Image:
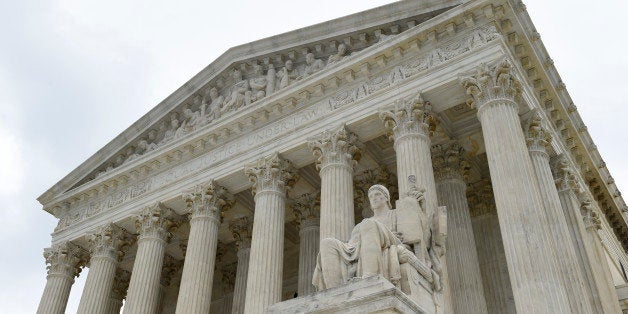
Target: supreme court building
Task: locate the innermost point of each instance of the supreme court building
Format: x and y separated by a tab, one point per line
220	198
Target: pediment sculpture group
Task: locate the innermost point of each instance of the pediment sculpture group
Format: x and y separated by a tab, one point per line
380	245
212	106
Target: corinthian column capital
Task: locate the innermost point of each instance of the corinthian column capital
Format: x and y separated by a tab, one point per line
564	175
109	241
307	207
537	137
335	147
589	215
449	161
409	116
156	221
65	260
208	200
492	83
271	174
242	230
120	284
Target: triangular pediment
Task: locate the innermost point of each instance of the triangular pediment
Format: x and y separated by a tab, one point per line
244	75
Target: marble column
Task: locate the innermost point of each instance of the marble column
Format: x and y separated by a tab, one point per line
490	249
271	177
465	279
169	284
242	230
64	264
336	157
533	273
568	189
205	204
118	291
606	287
106	251
154	226
228	277
538	140
306	209
409	126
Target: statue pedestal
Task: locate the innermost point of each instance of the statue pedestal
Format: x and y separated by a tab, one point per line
368	295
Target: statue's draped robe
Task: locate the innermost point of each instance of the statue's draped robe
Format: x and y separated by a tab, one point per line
371	250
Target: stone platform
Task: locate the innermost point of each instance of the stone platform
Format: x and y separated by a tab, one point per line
368	295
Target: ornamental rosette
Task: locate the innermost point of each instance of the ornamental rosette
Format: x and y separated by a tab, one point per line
449	161
65	260
336	146
537	137
409	116
109	241
564	175
496	82
208	200
242	231
156	221
272	173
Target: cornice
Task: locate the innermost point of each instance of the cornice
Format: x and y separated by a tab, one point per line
254	52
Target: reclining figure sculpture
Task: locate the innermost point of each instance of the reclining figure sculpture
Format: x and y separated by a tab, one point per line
404	245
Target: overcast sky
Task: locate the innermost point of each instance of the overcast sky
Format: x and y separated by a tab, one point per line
74	74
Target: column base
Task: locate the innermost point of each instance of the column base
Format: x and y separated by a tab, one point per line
367	295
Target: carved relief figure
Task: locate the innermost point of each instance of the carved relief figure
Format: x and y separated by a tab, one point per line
169	134
379	245
258	84
312	65
240	94
341	54
215	107
287	74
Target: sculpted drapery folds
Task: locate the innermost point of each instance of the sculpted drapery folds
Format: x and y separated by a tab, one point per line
379	245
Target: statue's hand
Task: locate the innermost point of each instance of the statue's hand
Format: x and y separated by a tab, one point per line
399	235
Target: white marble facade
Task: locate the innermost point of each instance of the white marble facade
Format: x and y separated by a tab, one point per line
220	199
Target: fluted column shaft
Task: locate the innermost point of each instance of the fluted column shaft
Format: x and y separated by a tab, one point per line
565	253
64	266
97	290
105	245
309	247
270	177
337	155
493	266
56	294
462	261
533	274
198	269
239	290
144	287
114	306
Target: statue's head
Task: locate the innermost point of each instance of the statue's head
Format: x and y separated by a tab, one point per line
379	196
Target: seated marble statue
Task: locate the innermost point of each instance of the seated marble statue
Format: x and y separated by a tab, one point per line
378	247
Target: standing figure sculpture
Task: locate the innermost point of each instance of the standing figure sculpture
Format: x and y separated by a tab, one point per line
383	243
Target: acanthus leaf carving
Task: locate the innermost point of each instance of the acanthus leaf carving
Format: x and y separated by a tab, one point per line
271	174
537	137
157	222
449	161
335	147
109	241
208	200
409	117
564	175
65	259
492	82
242	230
